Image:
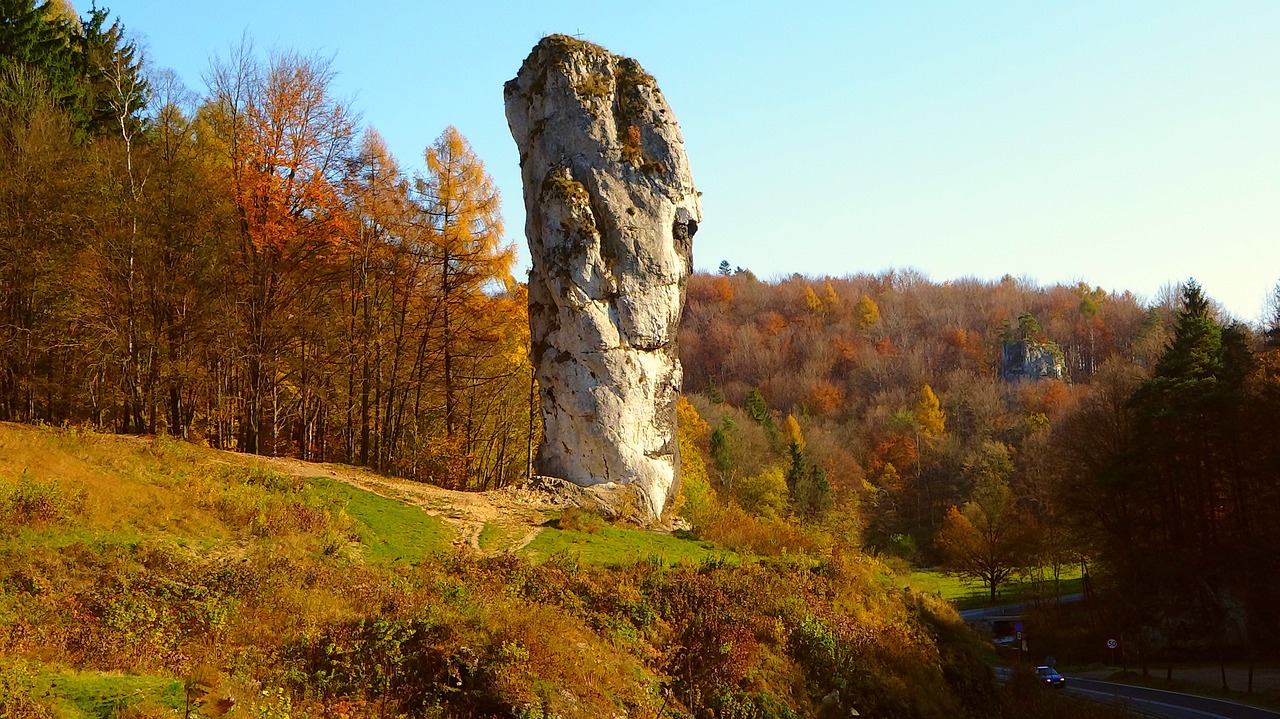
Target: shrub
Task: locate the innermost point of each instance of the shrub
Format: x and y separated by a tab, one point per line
575	519
594	84
18	695
733	528
764	494
272	481
713	646
166	447
30	503
631	146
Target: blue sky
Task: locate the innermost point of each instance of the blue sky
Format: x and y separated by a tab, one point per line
1124	144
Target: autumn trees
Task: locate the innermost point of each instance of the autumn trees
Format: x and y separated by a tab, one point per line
421	277
284	139
246	268
63	83
893	380
1153	466
988	539
255	270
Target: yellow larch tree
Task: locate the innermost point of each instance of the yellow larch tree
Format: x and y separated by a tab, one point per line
868	313
460	208
813	303
928	413
793	432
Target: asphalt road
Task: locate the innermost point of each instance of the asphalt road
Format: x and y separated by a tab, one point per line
1144	701
1160	703
1000	610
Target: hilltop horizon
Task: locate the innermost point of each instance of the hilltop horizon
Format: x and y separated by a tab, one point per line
1131	147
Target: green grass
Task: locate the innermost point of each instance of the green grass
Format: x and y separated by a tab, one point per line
99	694
947	586
617	546
967	594
390	529
496	536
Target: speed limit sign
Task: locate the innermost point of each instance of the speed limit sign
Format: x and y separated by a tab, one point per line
1112	644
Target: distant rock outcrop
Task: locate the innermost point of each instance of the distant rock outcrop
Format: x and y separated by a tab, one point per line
611	213
1031	360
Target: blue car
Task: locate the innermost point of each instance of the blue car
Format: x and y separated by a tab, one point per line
1050	676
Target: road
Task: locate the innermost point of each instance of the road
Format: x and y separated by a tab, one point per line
1000	610
1160	703
1144	701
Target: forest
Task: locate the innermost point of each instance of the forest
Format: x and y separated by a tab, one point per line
875	405
249	269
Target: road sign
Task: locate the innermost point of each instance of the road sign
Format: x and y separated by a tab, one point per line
1112	644
1017	627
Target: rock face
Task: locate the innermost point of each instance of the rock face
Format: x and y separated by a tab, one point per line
611	213
1031	361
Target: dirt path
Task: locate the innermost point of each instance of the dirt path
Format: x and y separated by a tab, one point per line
517	513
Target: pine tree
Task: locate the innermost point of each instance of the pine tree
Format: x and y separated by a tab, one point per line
115	93
1028	327
758	410
815	492
795	470
35	37
722	447
1190	492
87	67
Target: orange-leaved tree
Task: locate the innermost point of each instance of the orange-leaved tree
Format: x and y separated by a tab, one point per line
987	539
284	138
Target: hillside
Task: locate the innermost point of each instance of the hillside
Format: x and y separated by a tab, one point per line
140	576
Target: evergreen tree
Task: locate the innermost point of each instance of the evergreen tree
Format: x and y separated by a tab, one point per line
795	471
35	37
758	410
88	69
813	493
721	447
713	392
1028	327
1189	491
114	91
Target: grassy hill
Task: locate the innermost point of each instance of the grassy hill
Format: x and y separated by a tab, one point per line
148	577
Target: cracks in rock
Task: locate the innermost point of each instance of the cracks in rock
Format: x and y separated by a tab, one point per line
605	172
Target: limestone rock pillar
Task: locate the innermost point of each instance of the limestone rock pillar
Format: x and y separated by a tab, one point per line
611	212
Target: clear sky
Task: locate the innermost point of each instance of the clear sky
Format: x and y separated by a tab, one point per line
1125	144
